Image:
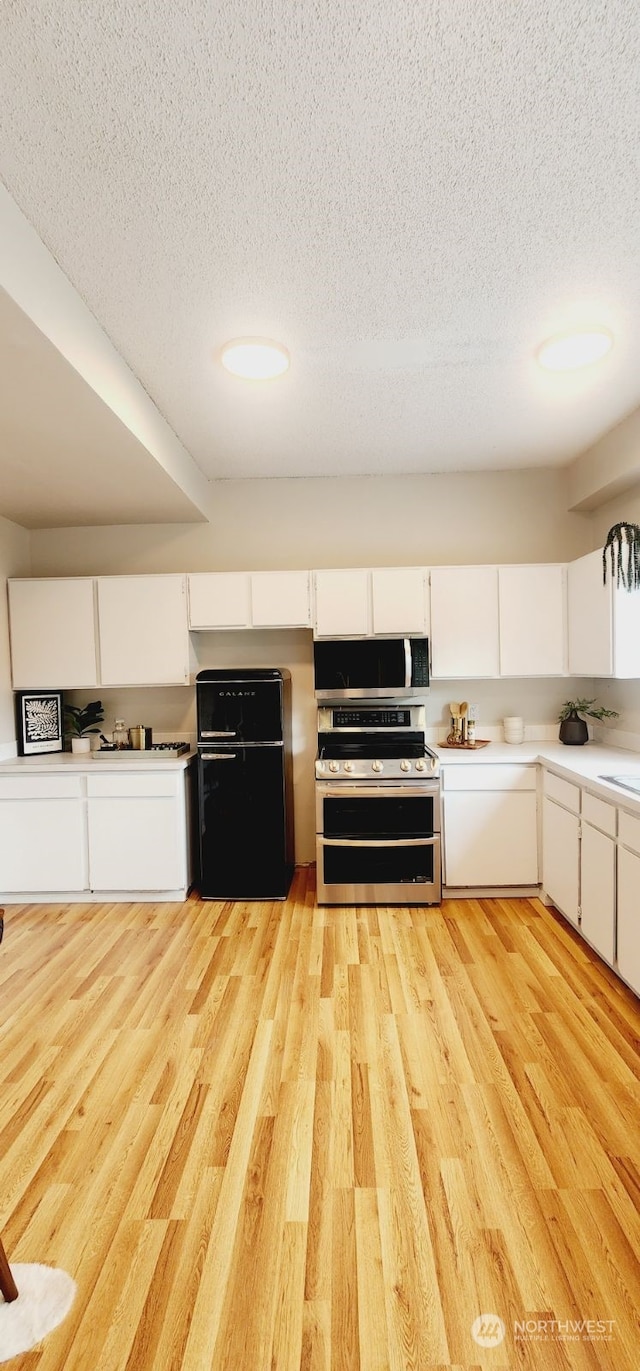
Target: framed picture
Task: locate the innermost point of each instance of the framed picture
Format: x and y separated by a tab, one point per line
39	720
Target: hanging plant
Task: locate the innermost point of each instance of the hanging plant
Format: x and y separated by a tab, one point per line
623	545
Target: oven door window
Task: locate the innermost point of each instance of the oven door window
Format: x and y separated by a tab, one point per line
382	817
392	864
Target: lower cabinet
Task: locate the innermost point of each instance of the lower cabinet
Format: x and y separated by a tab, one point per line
629	899
598	875
94	832
561	844
598	891
136	827
42	840
490	825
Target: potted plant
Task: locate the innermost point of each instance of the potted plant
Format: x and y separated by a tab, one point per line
573	728
82	721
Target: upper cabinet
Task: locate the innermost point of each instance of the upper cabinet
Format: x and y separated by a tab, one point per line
243	599
400	600
360	603
342	608
53	633
143	630
464	622
219	599
281	599
604	622
532	620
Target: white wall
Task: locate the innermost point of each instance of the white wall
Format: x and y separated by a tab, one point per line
517	516
15	560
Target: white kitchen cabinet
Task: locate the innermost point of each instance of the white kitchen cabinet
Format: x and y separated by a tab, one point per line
342	604
137	831
598	889
399	601
561	844
42	840
219	599
628	920
143	630
53	637
384	602
532	618
490	825
603	622
464	622
280	599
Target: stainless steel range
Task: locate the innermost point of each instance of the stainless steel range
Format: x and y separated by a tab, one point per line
377	806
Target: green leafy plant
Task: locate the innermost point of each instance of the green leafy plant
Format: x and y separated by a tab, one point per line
83	719
587	707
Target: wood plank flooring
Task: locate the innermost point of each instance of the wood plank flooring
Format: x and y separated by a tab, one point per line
274	1137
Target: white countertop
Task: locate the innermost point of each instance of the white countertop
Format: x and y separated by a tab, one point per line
49	762
584	765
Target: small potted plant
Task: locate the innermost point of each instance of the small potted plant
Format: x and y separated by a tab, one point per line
81	722
573	728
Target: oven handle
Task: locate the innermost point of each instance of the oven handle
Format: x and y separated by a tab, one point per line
219	756
345	790
380	842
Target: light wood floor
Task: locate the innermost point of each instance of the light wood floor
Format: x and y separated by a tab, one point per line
267	1137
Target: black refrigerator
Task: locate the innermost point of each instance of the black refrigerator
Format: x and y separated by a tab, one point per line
245	793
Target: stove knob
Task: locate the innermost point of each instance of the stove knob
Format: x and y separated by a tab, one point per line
334	766
348	766
421	765
376	766
405	766
434	764
320	768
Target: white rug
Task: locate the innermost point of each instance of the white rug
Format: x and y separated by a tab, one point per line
45	1296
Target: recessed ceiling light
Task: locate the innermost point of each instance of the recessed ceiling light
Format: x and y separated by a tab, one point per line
568	351
256	359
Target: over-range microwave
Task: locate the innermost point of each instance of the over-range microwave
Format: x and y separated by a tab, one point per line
370	668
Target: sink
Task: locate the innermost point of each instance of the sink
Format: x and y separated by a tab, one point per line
625	782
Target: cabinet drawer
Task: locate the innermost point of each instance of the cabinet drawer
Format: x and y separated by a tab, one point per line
629	830
513	776
563	791
40	787
132	786
599	813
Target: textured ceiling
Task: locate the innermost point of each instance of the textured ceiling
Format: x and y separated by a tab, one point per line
410	195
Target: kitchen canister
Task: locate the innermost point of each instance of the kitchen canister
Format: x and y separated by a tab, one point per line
513	729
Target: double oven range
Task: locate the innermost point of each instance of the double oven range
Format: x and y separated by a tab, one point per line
378	828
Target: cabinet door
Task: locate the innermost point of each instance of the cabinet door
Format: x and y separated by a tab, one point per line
464	622
53	637
561	857
590	618
280	599
399	600
532	620
143	630
42	839
490	838
342	604
598	890
629	917
219	599
137	841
